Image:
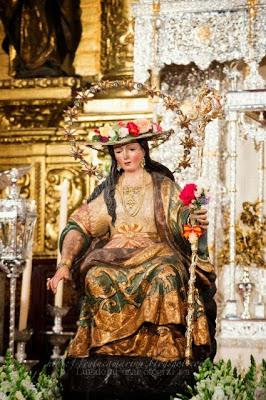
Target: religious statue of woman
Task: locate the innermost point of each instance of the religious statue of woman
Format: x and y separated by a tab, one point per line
128	245
41	36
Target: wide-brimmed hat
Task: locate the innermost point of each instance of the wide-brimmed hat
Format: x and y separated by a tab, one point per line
123	132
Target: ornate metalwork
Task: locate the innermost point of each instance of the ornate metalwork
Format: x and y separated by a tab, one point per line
245	287
196	31
17	219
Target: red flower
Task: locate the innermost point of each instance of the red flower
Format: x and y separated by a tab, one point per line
188	193
133	129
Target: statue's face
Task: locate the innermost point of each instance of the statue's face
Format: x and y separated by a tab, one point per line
129	156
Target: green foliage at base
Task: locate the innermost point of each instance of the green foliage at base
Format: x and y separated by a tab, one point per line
222	381
16	383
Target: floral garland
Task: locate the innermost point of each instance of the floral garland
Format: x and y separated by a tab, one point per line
123	130
206	107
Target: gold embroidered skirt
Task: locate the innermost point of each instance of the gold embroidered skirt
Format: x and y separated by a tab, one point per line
135	304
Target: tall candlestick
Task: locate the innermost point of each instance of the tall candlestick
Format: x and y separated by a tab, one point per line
25	294
62	223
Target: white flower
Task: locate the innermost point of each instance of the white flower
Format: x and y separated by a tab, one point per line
123	132
19	396
6	386
219	394
3	396
199	191
14	375
27	384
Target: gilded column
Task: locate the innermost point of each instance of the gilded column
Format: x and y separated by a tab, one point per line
117	42
87	58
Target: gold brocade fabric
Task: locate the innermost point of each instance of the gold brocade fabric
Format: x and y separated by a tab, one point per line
135	299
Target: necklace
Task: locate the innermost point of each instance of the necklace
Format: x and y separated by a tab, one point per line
132	197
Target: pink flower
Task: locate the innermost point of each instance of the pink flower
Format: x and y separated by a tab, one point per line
188	193
123	132
156	127
144	125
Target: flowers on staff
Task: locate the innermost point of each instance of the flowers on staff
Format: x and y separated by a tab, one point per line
189	230
122	130
194	195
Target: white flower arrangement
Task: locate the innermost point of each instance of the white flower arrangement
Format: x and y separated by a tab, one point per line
223	382
16	383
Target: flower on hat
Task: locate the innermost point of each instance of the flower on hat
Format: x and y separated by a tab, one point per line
107	131
123	132
156	128
133	129
144	125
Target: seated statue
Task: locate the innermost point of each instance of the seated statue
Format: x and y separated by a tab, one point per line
134	260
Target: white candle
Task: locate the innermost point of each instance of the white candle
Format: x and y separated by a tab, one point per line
25	295
58	301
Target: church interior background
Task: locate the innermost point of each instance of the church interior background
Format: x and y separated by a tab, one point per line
176	46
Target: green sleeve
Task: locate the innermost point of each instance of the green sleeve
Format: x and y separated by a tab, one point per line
71	225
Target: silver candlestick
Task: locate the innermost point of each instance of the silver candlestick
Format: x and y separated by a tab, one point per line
245	287
57	336
12	268
22	338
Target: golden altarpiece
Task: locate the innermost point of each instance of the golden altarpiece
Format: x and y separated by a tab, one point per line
31	127
177	45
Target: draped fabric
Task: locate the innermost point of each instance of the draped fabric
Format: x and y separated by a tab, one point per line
135	299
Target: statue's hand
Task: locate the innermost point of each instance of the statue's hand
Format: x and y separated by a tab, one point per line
199	217
61	273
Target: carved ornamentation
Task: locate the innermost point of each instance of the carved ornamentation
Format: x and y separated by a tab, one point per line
251	330
250	242
34	103
39	83
196	31
37	114
77	193
117	39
